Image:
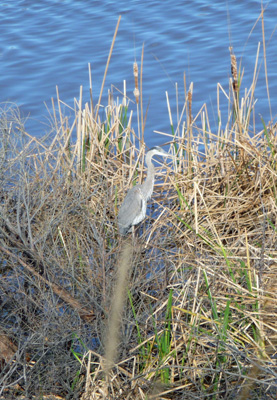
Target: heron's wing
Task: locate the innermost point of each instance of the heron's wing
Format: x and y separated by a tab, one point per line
130	209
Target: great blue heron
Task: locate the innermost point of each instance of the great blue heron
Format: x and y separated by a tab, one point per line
133	208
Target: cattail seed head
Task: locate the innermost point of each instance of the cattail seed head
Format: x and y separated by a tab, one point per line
135	70
136	94
136	91
234	70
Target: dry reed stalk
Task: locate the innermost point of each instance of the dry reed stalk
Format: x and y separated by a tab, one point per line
169	110
90	91
253	86
60	111
180	117
185	103
143	118
106	69
80	131
190	103
54	114
177	108
136	94
265	61
112	339
124	100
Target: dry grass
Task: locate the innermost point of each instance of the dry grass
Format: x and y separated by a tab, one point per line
196	317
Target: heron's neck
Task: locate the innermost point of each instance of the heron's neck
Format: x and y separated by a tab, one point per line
148	184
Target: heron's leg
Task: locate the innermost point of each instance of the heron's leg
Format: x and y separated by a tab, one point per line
133	232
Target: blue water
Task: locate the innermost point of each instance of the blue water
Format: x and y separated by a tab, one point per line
49	43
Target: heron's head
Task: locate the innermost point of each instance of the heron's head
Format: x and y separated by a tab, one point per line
157	151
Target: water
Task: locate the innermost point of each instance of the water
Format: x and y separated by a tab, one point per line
49	43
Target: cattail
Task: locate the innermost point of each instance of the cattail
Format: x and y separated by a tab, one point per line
136	91
234	69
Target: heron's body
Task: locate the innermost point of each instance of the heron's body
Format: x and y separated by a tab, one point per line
133	208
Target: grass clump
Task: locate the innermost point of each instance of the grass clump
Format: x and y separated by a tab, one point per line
197	313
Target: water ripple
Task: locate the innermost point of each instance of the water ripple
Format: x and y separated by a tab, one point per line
50	43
